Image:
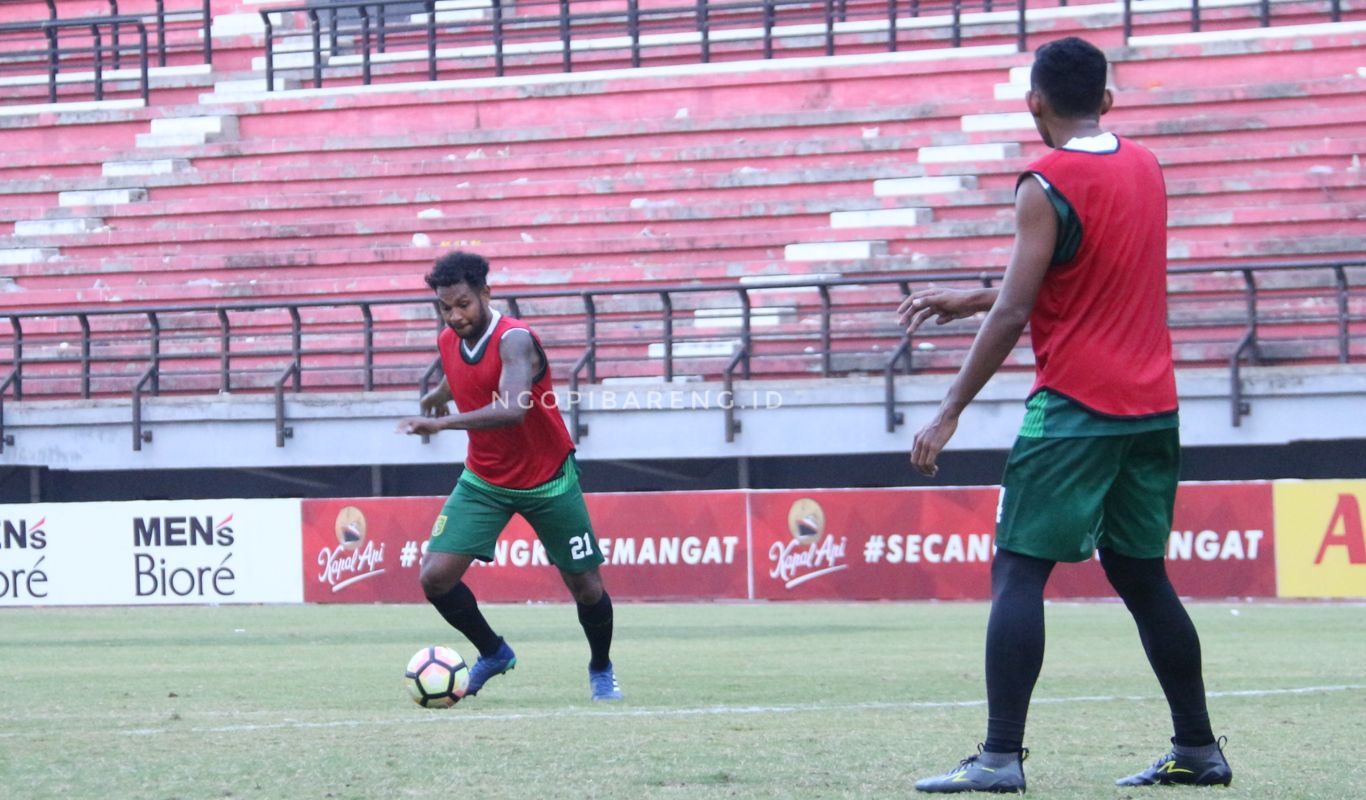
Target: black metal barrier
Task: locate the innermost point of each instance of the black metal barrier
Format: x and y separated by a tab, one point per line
1261	12
1220	315
545	36
44	46
744	28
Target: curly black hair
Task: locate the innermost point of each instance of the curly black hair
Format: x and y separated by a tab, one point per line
1071	75
459	267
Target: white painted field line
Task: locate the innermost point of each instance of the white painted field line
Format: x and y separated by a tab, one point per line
711	711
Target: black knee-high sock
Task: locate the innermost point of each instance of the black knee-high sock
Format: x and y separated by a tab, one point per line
1169	638
461	610
596	620
1015	644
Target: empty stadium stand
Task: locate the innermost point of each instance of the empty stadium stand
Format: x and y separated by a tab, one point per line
253	217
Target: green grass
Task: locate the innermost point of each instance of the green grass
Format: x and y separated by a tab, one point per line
733	701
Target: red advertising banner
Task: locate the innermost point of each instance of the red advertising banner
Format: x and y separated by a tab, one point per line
365	550
659	546
856	544
874	544
916	544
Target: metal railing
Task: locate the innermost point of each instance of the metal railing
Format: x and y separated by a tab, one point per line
1261	12
96	53
548	35
1281	312
545	36
37	47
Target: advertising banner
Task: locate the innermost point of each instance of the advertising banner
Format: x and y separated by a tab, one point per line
1321	539
365	550
874	544
658	546
1301	539
916	544
158	552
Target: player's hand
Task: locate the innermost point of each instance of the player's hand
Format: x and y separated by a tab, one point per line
929	442
945	305
420	426
435	404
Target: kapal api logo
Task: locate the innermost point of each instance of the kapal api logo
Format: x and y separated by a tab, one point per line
354	558
811	553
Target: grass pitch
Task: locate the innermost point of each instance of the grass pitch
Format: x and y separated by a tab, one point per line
723	701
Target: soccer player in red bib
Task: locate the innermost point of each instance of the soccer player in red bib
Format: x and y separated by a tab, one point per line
520	461
1097	459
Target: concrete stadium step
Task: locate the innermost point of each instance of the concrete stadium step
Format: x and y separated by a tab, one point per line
950	113
513	156
656	95
1276	158
101	197
396	272
556	203
1333	54
456	178
145	168
1267	157
13	256
550	266
195	239
43	228
1349	244
1291	118
547	219
1146	98
179	132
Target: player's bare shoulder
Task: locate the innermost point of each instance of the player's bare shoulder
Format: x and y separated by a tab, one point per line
518	346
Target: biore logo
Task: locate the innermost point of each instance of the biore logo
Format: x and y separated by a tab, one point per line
20	535
811	553
181	532
154	578
26	584
162	577
354	558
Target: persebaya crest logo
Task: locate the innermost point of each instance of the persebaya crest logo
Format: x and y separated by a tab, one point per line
811	552
354	558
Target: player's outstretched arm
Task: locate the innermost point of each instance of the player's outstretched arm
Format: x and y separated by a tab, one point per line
521	364
1035	236
945	305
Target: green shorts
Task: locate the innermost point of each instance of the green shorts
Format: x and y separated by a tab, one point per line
476	513
1061	498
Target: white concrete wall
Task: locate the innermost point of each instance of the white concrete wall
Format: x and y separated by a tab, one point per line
811	417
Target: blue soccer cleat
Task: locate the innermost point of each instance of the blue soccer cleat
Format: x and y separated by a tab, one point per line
488	666
603	684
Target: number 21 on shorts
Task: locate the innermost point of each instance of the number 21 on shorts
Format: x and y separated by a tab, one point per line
581	546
